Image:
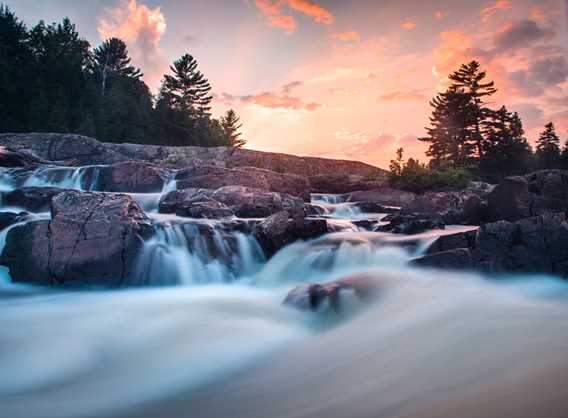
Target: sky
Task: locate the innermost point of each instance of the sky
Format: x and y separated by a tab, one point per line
338	78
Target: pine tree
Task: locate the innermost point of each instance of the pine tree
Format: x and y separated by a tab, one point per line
111	59
448	134
469	79
397	164
188	87
231	125
564	156
548	148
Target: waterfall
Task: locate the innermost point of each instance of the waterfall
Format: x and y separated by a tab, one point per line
84	178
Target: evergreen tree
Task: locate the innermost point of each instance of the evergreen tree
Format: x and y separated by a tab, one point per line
449	134
111	59
564	156
231	125
397	165
469	79
548	148
506	150
16	72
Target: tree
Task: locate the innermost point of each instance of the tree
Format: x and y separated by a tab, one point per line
231	125
506	150
16	72
564	156
397	164
548	148
111	59
188	88
469	80
449	135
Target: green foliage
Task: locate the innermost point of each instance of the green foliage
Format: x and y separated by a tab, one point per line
52	81
416	177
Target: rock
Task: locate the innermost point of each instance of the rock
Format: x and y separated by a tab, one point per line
132	177
9	158
313	297
455	241
383	196
209	209
451	207
91	239
277	231
313	228
480	188
10	218
312	209
252	177
510	200
374	207
33	199
456	259
410	224
344	183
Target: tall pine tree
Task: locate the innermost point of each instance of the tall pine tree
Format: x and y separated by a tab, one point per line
231	124
548	148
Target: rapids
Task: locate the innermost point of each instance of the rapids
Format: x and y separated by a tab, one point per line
209	337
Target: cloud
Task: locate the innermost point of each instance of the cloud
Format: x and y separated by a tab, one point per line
274	12
403	95
408	25
540	75
490	10
520	34
441	14
272	101
531	114
349	36
287	88
142	29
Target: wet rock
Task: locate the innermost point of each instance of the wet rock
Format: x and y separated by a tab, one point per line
91	239
277	231
209	209
33	199
312	209
10	218
410	224
22	158
252	177
455	259
132	177
466	239
374	207
314	228
451	207
344	183
510	200
383	196
314	297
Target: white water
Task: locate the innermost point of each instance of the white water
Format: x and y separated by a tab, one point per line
211	338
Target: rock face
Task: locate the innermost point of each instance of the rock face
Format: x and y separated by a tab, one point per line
84	151
33	199
252	177
313	297
132	177
11	159
10	218
283	228
456	259
531	195
383	196
451	207
92	239
410	224
244	202
342	183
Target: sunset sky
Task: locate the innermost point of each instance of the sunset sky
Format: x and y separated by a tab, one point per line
338	78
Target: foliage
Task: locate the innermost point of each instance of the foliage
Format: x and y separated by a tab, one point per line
52	81
548	148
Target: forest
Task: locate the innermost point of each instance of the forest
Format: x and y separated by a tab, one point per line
52	80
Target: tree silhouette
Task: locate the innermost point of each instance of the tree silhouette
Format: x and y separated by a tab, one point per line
231	124
548	148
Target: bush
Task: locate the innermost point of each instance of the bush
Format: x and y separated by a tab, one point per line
419	178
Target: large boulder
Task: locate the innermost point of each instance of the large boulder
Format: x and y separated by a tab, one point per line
132	177
33	199
383	196
456	259
207	208
11	218
315	297
344	183
91	239
11	159
409	224
283	228
464	207
531	195
252	177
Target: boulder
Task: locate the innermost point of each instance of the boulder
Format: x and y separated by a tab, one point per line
314	297
22	158
313	209
10	218
91	239
209	209
344	183
465	239
463	207
383	196
252	177
132	177
510	200
281	229
456	259
409	224
33	199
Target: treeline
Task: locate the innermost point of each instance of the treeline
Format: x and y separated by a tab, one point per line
51	80
468	140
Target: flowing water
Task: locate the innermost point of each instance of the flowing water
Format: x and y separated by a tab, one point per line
209	337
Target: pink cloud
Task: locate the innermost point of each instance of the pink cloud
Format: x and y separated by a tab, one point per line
408	25
142	29
349	36
403	95
274	12
272	100
312	9
500	5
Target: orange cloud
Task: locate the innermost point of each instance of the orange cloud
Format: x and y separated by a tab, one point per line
403	95
538	15
272	101
350	36
408	25
142	29
499	5
273	11
441	14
